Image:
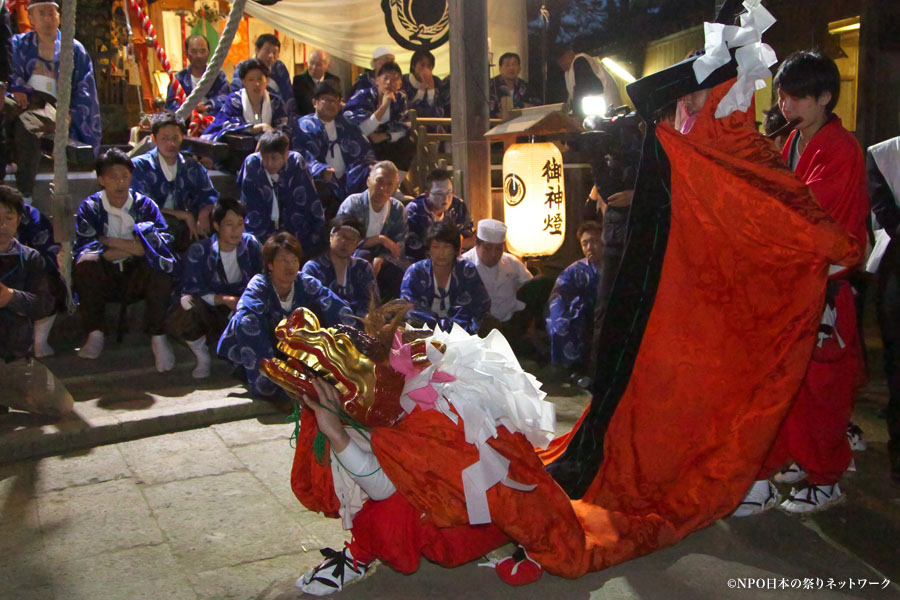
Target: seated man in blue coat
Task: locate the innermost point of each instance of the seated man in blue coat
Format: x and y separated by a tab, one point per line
571	306
36	232
338	154
268	298
268	48
351	278
382	114
196	48
24	286
445	289
251	110
177	183
436	205
216	271
384	220
122	254
279	193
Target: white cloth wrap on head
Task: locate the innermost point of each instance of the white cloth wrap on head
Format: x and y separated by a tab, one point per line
490	390
753	57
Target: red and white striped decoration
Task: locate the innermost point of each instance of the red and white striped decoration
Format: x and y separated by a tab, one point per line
150	34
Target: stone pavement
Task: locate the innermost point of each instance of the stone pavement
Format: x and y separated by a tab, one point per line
209	514
202	508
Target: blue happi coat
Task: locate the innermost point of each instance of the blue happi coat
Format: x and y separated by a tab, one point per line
571	311
84	108
359	284
300	210
191	189
365	80
421	220
216	95
419	101
467	299
205	274
22	270
364	103
36	231
312	141
91	222
521	94
231	117
395	226
279	82
249	336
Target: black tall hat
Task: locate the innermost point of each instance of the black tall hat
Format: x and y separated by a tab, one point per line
653	92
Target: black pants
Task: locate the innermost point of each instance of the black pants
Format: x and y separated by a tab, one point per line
202	320
888	306
390	277
401	152
98	282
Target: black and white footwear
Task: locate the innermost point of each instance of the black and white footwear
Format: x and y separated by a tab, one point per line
854	436
337	570
761	497
791	474
812	498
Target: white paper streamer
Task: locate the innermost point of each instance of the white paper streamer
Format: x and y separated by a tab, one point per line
753	57
490	390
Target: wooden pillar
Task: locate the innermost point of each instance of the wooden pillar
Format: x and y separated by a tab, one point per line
469	109
878	112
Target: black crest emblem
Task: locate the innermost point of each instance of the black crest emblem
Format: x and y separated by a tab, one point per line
267	2
416	24
513	189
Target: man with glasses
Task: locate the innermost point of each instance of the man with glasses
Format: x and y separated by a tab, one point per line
437	205
338	154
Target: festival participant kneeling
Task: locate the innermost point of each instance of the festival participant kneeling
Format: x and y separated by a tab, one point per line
571	306
351	278
25	293
251	110
384	219
216	272
269	298
437	205
338	154
178	184
279	193
445	289
122	254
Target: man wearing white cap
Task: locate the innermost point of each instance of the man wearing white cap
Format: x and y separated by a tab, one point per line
502	274
380	56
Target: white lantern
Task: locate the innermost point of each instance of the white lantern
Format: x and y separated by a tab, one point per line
534	199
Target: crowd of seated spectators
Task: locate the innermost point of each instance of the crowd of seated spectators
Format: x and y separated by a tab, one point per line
319	222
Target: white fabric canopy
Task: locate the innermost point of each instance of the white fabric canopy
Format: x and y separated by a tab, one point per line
352	29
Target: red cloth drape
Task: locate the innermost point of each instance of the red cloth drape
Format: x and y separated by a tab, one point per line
724	352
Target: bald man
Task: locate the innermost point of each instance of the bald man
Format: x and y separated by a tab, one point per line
305	83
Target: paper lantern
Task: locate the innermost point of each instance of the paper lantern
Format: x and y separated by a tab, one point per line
534	199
